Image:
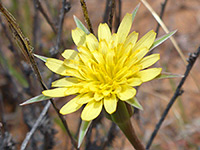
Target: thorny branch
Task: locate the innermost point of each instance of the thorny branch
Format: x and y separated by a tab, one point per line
192	58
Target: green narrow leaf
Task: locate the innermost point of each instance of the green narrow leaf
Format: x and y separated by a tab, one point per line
35	99
134	102
83	130
44	59
135	11
160	40
80	25
167	75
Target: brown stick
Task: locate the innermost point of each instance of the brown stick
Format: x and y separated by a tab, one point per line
86	16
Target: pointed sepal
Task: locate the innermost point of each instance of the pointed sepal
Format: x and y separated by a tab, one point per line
44	59
83	130
135	12
80	25
161	39
35	99
134	102
167	75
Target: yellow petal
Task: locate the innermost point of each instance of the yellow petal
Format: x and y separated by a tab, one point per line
70	107
85	98
58	92
114	41
103	47
56	66
149	60
127	92
92	42
75	73
83	49
70	54
78	36
99	57
121	73
72	90
85	55
107	91
136	56
132	38
65	82
98	96
124	28
72	64
134	81
139	54
85	59
123	56
104	32
146	41
110	64
110	103
149	74
91	110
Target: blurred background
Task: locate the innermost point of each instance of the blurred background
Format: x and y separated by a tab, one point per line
41	22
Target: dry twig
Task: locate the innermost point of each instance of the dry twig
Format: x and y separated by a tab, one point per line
192	58
86	16
26	49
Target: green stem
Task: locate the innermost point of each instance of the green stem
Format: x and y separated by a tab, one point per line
129	132
122	118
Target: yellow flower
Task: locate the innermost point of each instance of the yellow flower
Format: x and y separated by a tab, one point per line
104	70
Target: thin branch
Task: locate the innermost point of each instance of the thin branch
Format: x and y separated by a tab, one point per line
26	49
65	8
12	47
110	136
163	6
110	20
74	143
35	23
107	9
41	9
86	16
3	122
192	58
157	18
118	16
35	126
109	12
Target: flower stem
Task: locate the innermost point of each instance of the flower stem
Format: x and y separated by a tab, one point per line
122	118
129	132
